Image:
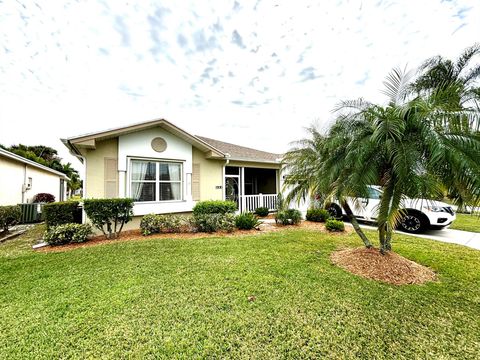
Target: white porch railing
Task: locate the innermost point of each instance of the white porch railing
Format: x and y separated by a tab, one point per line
250	202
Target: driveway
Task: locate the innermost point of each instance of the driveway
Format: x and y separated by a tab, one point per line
460	237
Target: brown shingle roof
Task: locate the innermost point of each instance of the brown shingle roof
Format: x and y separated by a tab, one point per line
238	152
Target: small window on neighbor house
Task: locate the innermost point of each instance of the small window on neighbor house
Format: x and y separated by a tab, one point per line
30	182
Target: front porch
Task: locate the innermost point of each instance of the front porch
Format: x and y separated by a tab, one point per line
251	187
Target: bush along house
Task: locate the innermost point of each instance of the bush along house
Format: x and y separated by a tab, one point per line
167	170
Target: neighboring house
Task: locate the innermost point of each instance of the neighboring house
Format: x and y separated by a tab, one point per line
21	179
167	170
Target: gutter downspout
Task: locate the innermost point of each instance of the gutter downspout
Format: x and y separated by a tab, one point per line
24	185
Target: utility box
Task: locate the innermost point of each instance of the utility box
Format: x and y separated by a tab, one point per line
31	213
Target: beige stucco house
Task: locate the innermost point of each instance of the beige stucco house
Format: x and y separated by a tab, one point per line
21	179
167	170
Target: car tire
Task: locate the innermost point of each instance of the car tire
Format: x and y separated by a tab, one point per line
335	211
414	223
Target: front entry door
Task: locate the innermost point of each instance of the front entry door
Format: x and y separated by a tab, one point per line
232	187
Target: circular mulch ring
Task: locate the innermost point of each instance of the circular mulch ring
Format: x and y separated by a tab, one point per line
390	268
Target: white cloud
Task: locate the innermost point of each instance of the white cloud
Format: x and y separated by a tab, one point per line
255	73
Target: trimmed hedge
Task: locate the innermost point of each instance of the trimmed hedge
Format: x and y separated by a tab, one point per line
9	216
262	211
317	215
288	217
67	233
152	224
214	207
43	198
334	225
109	215
59	213
247	221
214	222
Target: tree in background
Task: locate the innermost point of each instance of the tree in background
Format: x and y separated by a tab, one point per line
417	144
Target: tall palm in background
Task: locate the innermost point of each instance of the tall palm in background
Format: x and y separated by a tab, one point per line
455	82
414	146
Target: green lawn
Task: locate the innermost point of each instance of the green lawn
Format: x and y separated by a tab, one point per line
188	299
466	222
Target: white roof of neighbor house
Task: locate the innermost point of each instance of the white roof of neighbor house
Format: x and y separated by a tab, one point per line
218	148
23	160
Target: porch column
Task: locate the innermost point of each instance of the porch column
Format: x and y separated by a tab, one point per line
242	189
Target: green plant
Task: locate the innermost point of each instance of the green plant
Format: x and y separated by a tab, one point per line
152	223
246	221
262	211
334	225
59	213
67	233
43	198
317	215
422	142
9	216
288	217
109	215
214	207
214	222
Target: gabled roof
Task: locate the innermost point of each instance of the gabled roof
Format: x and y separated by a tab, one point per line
23	160
243	153
87	141
213	148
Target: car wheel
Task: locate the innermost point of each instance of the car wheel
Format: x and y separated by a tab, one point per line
335	211
413	223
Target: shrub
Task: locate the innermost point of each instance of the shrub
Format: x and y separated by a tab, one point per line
43	198
288	217
109	215
153	223
261	211
334	225
317	215
214	222
60	213
214	207
246	221
67	233
9	216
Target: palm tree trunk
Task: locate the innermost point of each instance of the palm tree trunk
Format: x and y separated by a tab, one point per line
382	239
355	224
388	239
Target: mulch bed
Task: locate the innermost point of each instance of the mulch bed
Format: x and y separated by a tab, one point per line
136	235
390	268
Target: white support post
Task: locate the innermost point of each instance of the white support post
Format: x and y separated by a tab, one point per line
261	199
242	189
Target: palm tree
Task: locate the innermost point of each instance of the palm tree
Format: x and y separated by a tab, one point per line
454	81
74	182
414	146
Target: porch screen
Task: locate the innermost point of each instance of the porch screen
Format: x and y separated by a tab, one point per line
155	181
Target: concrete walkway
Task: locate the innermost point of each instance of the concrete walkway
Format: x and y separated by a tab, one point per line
465	238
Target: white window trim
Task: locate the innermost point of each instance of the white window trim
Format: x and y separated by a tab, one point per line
157	180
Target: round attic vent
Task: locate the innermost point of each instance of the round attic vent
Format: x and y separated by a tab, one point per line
159	144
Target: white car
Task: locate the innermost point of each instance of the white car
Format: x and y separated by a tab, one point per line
421	214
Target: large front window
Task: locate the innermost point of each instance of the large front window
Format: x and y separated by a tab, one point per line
155	180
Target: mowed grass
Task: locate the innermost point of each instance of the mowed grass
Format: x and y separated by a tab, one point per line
189	299
467	222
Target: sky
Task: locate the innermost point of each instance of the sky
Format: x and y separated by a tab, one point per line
254	73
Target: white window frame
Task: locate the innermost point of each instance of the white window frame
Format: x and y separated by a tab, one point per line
157	180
